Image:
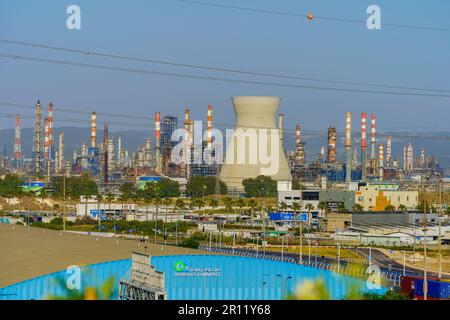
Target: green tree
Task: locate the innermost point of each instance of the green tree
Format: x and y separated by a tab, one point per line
297	208
198	186
402	207
228	203
75	187
214	203
240	203
252	204
341	207
283	206
261	186
389	208
197	202
128	190
357	207
10	186
179	203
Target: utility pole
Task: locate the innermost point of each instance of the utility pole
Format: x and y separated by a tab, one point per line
301	234
425	282
64	201
439	231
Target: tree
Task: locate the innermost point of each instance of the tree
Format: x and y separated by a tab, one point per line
228	202
75	187
240	203
179	203
402	207
447	211
309	207
341	207
10	186
296	207
389	208
198	186
214	203
197	202
128	190
163	188
283	206
252	204
261	186
357	208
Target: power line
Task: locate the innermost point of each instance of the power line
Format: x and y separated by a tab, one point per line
212	68
284	13
228	80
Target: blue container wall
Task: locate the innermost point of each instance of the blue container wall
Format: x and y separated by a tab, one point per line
239	278
436	289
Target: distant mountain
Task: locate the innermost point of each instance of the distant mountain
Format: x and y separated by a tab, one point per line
437	144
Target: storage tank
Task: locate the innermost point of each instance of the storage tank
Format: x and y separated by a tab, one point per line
255	122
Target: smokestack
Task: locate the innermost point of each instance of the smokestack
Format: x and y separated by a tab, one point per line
363	146
410	158
83	156
93	128
61	153
348	146
388	151
18	143
300	152
158	142
422	157
119	151
372	136
187	143
331	145
381	161
209	129
105	153
37	139
280	127
404	158
322	154
45	138
50	120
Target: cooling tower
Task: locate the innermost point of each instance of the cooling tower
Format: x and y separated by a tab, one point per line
253	143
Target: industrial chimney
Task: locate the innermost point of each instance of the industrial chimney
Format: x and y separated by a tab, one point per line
331	156
158	142
363	146
348	147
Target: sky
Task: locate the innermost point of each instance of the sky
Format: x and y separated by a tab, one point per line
228	38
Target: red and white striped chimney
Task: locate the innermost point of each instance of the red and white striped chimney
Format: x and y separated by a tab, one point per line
209	129
93	129
363	146
372	136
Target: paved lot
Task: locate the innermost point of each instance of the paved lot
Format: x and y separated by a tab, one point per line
25	254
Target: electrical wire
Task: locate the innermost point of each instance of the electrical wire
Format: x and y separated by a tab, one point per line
228	80
284	13
212	68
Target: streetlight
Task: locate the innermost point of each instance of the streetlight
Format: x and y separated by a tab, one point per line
284	283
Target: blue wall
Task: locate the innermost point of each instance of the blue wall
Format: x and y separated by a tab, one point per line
239	278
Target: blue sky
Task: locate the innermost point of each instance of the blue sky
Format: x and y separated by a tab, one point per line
186	33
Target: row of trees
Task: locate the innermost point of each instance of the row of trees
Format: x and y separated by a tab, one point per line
10	186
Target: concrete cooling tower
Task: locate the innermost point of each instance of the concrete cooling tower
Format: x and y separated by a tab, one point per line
255	147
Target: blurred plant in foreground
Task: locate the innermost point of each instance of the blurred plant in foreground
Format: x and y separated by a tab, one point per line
107	291
317	290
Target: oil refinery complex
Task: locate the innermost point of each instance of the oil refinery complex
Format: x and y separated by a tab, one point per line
110	164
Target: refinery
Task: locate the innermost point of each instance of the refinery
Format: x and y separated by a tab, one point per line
105	160
253	165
